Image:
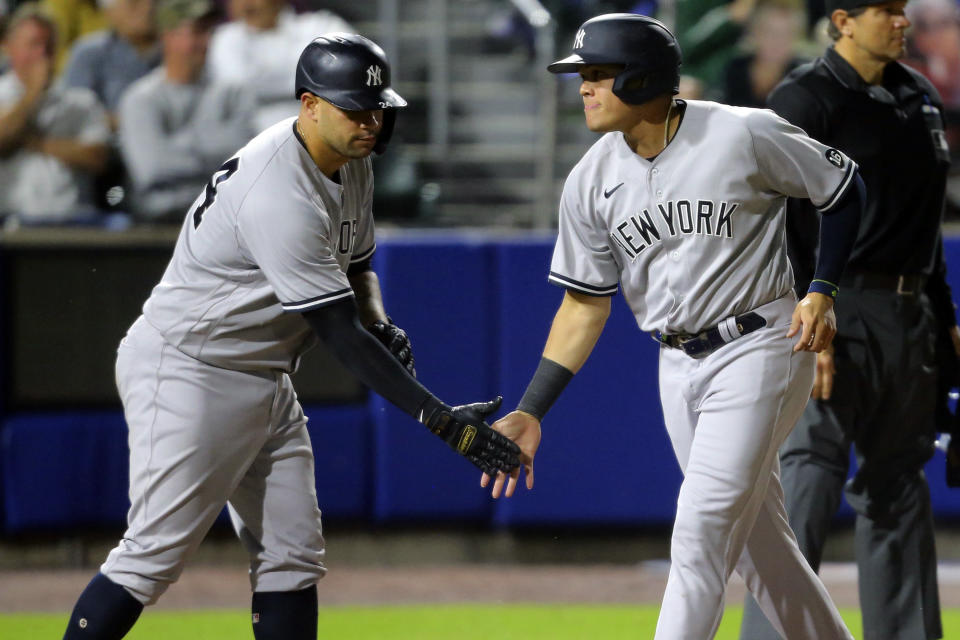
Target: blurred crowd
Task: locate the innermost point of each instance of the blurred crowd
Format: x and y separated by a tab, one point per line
110	106
113	111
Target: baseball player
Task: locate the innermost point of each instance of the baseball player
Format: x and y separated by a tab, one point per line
681	205
274	253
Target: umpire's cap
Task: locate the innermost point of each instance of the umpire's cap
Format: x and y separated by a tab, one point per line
644	46
351	72
847	5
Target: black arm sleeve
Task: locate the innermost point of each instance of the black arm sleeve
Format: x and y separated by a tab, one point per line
338	325
359	267
838	232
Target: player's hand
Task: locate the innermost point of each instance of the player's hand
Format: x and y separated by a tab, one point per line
397	343
823	378
523	429
815	315
464	429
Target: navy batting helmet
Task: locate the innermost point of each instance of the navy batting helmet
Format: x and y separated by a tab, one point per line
350	72
649	52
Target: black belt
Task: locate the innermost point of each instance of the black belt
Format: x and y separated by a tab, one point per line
903	285
711	339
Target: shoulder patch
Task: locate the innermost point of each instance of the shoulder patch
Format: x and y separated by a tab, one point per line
834	157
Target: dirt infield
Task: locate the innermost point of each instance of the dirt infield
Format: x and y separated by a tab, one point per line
367	568
206	587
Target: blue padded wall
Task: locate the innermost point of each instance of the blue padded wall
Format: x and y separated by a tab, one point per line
439	290
70	469
946	501
478	310
64	470
341	437
605	457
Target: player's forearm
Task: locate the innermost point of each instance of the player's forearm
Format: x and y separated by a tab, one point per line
838	233
366	289
338	326
576	329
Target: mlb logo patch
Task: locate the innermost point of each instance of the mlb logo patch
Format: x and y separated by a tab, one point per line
834	157
256	618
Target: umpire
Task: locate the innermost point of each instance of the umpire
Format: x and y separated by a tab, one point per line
876	389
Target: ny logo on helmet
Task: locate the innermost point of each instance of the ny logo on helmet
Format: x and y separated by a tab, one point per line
374	76
578	40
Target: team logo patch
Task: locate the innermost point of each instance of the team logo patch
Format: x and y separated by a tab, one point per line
578	39
835	158
374	76
466	438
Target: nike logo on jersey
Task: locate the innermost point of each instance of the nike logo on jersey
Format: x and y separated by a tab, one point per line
608	193
681	217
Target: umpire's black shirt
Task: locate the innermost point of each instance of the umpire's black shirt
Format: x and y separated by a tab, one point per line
895	132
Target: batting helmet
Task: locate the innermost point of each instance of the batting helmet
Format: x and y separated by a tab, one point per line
350	72
649	52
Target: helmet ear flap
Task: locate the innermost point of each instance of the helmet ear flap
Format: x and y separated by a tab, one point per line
386	131
635	86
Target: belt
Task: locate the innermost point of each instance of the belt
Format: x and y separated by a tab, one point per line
711	339
903	285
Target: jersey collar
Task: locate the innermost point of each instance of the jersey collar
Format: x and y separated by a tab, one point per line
896	81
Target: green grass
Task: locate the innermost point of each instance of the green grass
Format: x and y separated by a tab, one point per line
446	622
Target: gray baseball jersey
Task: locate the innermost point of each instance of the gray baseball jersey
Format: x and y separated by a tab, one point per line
690	238
269	235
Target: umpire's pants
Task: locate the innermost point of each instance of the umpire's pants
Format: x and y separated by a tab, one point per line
883	404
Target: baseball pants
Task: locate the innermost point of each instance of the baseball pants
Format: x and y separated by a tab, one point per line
882	403
727	414
200	437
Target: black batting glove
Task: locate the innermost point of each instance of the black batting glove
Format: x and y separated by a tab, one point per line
464	429
396	341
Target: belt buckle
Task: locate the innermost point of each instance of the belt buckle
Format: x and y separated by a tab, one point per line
692	345
900	290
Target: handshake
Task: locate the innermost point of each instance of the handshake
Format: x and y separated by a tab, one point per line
498	452
464	429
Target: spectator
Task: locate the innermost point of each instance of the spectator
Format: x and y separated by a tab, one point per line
260	49
176	125
933	47
53	140
108	61
774	33
708	32
74	18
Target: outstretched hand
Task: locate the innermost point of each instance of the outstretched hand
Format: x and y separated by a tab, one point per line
815	315
523	429
465	430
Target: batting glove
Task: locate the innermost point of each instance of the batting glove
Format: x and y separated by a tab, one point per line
396	341
464	429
